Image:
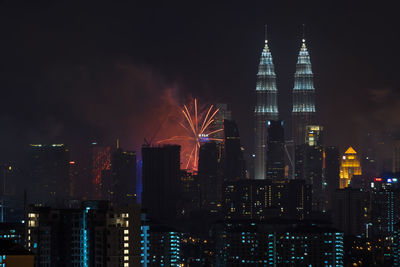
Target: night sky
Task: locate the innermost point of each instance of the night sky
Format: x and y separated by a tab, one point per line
74	73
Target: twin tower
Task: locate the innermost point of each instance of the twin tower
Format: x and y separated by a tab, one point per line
303	112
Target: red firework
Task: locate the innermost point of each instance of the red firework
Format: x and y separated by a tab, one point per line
197	129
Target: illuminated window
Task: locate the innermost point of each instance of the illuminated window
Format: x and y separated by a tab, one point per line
126	238
126	245
126	232
126	251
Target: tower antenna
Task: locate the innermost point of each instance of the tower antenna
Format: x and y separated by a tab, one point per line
304	32
266	33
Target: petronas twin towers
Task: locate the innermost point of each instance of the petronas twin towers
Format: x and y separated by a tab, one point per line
303	112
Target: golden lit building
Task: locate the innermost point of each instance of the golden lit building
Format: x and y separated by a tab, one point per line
349	166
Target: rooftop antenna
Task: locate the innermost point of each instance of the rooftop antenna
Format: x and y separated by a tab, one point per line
304	33
266	33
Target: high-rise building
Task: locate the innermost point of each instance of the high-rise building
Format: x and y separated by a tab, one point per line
11	190
396	156
234	165
331	171
93	235
277	243
275	150
266	108
351	209
396	245
9	179
314	135
48	173
249	199
190	193
73	178
239	243
123	177
210	176
309	165
223	114
260	200
350	165
303	112
160	245
385	211
371	157
161	181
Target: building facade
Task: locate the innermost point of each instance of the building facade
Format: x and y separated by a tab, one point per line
266	108
234	164
260	200
277	243
93	235
352	211
303	112
161	181
48	173
350	166
331	170
275	150
123	177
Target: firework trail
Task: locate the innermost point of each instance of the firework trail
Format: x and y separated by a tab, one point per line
197	132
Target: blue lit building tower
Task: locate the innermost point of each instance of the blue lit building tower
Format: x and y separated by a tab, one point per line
266	108
303	112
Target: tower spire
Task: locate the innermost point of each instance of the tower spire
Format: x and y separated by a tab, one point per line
304	33
266	107
303	112
266	33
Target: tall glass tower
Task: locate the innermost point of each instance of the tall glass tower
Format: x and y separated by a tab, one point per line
266	108
303	112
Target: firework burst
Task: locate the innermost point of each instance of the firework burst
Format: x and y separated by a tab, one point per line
197	130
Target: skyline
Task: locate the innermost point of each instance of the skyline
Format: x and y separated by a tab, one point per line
184	134
94	57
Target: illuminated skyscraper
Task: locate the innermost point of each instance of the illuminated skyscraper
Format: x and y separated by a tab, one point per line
303	112
314	135
266	108
350	166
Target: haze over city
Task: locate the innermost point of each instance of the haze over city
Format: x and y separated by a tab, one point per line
213	133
